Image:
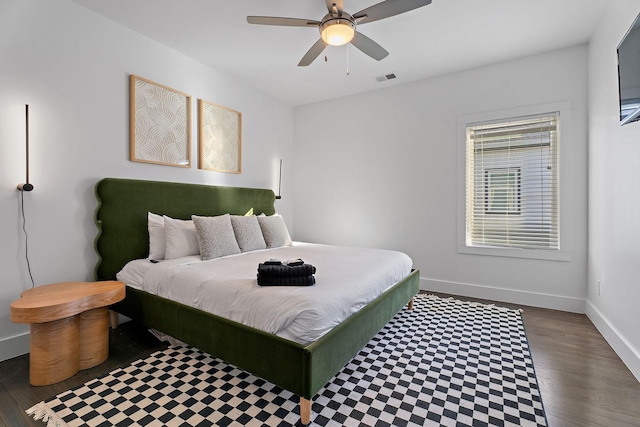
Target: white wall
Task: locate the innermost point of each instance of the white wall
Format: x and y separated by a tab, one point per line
72	66
381	169
614	195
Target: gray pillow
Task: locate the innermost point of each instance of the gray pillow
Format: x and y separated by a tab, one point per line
248	233
274	231
215	236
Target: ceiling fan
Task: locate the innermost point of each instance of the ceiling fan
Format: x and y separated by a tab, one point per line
338	28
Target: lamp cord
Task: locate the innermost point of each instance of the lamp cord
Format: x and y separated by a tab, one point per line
26	238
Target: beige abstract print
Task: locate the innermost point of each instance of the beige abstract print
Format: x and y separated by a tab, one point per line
220	138
160	124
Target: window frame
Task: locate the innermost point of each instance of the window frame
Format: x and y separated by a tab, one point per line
565	123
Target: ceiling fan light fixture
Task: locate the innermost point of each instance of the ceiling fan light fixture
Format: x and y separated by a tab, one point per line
337	28
337	31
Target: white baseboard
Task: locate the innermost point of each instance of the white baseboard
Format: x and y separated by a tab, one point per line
629	355
14	346
554	302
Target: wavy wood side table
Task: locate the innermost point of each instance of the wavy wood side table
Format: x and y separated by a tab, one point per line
69	327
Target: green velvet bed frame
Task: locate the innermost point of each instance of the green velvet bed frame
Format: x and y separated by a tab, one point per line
121	218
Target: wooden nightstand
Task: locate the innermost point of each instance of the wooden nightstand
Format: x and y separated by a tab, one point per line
69	327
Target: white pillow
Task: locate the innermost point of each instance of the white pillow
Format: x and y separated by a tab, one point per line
157	236
215	236
248	233
274	231
181	238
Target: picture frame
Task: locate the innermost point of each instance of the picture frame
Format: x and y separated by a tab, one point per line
219	138
159	124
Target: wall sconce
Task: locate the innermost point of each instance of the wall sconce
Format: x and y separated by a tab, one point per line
26	186
278	196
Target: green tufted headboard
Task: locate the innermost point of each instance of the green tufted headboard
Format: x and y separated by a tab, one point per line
121	216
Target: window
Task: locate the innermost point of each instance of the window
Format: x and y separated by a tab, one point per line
512	183
502	191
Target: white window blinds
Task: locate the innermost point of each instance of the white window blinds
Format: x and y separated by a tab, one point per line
512	183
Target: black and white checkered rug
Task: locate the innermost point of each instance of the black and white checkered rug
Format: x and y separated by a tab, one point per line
446	363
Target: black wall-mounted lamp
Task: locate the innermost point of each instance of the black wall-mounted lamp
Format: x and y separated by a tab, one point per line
279	196
26	186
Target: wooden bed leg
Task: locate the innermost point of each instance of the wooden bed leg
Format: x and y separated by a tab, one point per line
305	411
113	319
410	307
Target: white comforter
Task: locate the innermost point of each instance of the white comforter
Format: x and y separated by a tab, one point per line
346	280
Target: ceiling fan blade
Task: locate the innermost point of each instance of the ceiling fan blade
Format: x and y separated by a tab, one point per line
338	4
285	22
312	53
369	47
386	9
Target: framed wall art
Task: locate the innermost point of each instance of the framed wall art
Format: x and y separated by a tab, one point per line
219	138
160	124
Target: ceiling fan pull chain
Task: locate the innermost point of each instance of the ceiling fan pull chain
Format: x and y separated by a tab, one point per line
347	60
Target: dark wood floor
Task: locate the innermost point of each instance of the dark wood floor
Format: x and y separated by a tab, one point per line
583	382
127	343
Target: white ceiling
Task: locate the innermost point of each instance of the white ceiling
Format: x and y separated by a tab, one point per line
443	37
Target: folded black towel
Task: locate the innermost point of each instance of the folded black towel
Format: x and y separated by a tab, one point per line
281	270
307	280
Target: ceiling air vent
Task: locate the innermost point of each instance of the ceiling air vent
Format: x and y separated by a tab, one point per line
386	77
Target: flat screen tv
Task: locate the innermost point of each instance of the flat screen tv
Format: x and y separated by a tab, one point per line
629	74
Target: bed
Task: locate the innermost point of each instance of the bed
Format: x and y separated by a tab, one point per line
303	369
